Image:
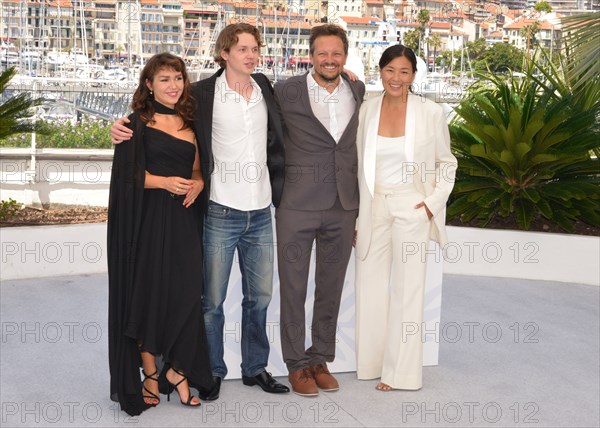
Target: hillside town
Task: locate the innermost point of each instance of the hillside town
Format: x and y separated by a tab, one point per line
110	39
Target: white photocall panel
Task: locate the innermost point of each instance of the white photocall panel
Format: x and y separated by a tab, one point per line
345	357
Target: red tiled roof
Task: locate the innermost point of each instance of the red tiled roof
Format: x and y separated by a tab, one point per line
61	3
440	25
523	22
280	23
359	20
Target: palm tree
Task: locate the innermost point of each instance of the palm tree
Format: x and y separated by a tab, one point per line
435	41
411	39
16	112
528	32
423	18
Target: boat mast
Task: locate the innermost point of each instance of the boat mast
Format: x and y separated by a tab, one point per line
287	42
275	50
297	50
462	58
128	34
83	29
23	36
213	38
59	31
196	30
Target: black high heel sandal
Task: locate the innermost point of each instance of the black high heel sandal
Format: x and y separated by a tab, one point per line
151	395
173	386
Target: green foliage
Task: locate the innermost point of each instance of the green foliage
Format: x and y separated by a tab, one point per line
543	6
524	150
529	32
423	17
87	133
582	38
435	41
476	48
501	57
411	39
445	58
16	112
8	208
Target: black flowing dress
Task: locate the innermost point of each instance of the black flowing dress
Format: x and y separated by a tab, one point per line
162	304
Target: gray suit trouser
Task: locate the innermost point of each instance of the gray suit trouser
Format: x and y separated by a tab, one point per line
297	230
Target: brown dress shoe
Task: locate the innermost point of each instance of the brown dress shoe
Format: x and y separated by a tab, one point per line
303	383
324	379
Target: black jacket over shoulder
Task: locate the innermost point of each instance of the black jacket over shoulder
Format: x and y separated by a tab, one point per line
124	219
204	93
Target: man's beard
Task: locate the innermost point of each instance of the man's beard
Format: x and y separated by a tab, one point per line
327	79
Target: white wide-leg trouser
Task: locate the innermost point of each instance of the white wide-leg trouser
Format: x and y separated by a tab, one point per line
390	286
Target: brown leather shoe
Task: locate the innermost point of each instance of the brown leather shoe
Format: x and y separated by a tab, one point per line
324	379
303	383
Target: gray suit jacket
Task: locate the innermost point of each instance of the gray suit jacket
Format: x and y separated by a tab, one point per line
317	169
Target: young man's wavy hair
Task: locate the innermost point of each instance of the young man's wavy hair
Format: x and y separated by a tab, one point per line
228	37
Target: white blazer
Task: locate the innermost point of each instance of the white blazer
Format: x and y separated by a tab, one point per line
431	163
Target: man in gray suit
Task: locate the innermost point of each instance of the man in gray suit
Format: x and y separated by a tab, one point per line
319	202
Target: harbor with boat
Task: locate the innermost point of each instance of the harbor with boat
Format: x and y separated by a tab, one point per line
86	58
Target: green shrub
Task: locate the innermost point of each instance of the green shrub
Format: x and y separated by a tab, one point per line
87	133
524	150
8	208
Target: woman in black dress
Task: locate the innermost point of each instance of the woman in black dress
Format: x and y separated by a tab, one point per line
155	246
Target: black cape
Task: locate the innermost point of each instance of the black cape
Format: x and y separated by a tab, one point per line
124	219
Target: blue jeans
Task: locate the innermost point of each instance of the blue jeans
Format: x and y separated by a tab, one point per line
251	233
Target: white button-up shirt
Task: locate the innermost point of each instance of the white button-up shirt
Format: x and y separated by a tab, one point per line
239	143
334	110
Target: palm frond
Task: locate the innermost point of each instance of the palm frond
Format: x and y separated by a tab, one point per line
17	111
582	38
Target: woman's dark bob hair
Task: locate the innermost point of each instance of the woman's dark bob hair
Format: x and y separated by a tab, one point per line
396	51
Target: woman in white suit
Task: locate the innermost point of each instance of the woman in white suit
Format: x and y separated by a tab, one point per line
406	173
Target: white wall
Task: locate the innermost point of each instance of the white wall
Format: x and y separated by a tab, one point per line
529	255
30	252
56	177
81	249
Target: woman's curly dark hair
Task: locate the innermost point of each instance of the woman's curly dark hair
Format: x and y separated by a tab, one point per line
142	98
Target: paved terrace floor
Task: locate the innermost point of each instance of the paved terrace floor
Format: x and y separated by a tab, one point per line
512	353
